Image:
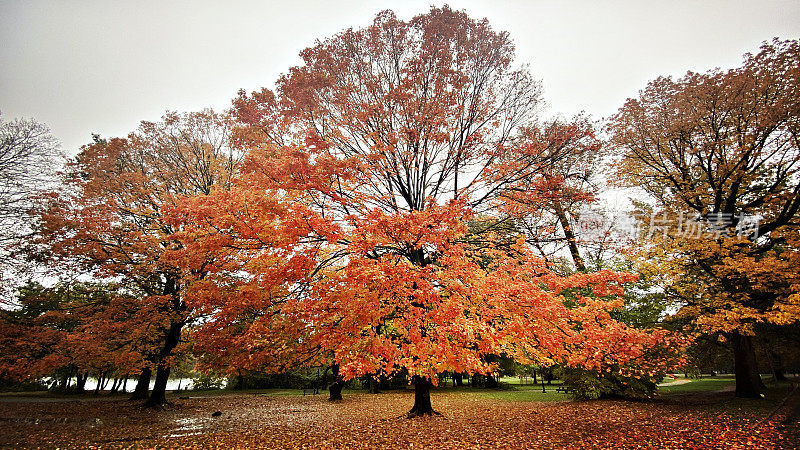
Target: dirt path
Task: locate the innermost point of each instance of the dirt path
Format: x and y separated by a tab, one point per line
676	382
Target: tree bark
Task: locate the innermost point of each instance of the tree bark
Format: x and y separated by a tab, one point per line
335	389
775	361
747	379
115	385
570	235
65	379
373	385
158	394
99	384
422	398
239	380
125	384
142	385
80	382
173	337
458	379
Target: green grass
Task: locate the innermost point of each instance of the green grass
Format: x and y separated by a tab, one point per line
696	385
526	395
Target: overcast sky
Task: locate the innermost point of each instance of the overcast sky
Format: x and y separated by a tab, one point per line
86	67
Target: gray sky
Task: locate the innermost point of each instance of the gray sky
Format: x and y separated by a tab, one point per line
87	67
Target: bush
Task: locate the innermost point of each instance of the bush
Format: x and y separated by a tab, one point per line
206	382
589	384
9	385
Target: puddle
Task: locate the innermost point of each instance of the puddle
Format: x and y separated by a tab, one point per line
186	426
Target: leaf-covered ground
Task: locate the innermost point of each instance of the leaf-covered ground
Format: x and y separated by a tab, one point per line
468	420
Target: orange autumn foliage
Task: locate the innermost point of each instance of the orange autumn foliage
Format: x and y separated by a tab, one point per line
345	239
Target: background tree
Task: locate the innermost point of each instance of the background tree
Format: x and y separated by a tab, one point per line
112	221
29	158
547	203
724	146
71	330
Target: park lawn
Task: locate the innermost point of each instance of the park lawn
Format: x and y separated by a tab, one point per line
696	385
469	419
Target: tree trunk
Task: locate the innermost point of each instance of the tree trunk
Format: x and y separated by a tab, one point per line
572	242
173	337
458	379
80	382
373	385
158	395
125	384
142	385
491	381
775	361
422	398
335	389
115	385
747	379
239	380
99	384
65	379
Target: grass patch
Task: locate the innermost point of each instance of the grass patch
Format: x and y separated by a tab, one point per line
696	385
524	393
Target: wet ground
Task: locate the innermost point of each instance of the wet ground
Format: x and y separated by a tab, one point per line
468	420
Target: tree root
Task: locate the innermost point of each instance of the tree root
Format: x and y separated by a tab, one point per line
157	405
412	414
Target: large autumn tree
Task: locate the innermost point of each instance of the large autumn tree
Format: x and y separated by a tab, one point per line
723	147
345	238
111	221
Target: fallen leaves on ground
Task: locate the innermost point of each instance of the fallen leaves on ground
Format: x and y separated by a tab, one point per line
468	420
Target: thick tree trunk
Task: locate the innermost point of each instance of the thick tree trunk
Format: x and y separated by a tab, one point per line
458	379
125	384
239	380
99	384
747	379
80	382
142	385
775	361
373	385
158	395
422	398
65	380
335	389
173	337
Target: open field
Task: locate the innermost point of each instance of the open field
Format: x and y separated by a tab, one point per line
470	419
